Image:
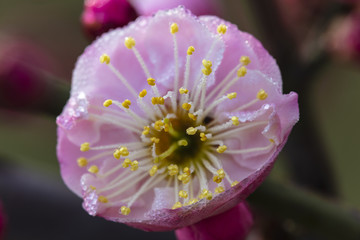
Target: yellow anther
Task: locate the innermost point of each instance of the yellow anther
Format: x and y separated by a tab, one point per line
82	162
235	120
143	93
207	63
186	171
173	169
155	140
166	120
107	103
177	205
217	179
221	149
245	60
221	29
191	131
272	140
105	59
85	147
124	151
206	71
153	170
151	81
117	154
174	28
185	178
92	187
157	100
261	95
183	194
125	210
129	42
158	125
234	183
192	116
93	169
242	71
102	199
186	106
126	163
146	130
190	50
203	138
221	173
206	194
183	142
134	165
219	189
166	127
126	103
183	91
231	95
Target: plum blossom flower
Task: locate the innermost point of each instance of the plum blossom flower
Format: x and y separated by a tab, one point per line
181	120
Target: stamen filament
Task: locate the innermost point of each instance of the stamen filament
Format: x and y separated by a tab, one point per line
122	79
250	150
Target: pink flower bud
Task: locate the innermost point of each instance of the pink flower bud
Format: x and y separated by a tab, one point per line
100	16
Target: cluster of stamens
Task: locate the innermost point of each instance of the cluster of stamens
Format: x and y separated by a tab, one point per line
180	142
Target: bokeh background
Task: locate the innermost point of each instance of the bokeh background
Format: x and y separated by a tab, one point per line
322	154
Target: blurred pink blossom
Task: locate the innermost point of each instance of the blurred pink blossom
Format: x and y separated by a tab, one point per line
343	37
2	222
100	16
233	224
170	128
20	65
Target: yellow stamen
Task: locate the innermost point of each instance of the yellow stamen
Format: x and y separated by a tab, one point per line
151	81
184	178
85	147
234	183
219	189
174	28
190	50
158	125
126	103
235	120
186	106
157	100
93	169
206	71
134	165
82	162
183	194
173	169
192	116
107	103
124	151
129	42
191	131
92	187
232	95
261	95
177	205
146	130
183	91
125	210
245	60
221	29
126	163
105	58
117	154
102	199
242	71
192	201
183	142
143	93
206	194
221	173
155	140
203	138
153	170
207	63
221	149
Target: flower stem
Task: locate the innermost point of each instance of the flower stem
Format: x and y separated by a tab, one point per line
325	217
